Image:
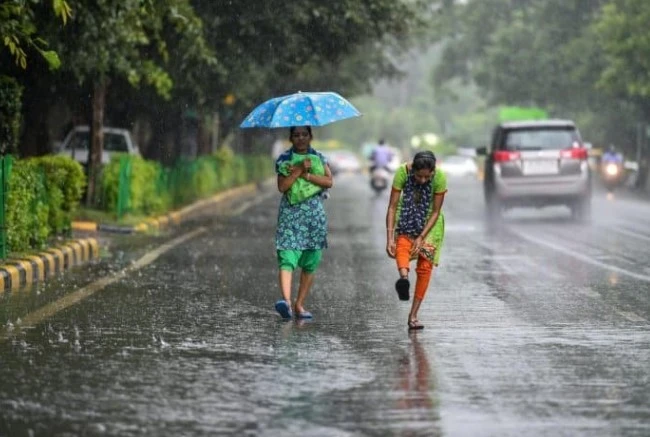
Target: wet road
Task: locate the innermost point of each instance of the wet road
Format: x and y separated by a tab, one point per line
538	328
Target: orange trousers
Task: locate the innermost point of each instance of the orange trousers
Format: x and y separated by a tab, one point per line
423	268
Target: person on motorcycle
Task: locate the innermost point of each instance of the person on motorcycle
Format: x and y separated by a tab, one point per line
381	156
612	155
611	169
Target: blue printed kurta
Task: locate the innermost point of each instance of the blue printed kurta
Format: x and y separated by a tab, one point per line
302	226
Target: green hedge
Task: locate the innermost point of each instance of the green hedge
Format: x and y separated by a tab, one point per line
144	196
43	196
154	189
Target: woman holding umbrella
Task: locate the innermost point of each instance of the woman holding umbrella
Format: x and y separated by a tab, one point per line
303	173
301	234
416	226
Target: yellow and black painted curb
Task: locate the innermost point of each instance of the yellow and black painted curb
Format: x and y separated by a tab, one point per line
166	220
19	272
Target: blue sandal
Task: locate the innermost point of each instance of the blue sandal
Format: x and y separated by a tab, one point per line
304	315
283	308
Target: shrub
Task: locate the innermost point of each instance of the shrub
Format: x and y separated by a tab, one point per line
64	182
27	207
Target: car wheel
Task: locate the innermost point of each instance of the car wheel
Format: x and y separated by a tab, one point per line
493	208
581	209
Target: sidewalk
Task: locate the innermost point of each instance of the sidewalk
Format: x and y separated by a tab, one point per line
16	273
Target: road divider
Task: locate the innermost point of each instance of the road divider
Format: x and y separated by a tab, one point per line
18	272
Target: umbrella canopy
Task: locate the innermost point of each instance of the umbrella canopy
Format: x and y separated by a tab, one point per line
301	109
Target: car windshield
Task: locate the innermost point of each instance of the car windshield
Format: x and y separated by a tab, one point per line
79	141
112	142
538	139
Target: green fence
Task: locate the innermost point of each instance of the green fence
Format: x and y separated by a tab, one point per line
134	185
5	170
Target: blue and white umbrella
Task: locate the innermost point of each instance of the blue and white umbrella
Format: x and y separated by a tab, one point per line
301	109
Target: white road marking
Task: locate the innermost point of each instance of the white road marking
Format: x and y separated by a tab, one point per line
584	258
34	318
250	203
630	234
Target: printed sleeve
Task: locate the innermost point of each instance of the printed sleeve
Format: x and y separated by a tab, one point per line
439	182
280	163
399	180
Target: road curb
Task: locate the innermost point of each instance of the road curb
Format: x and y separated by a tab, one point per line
16	273
167	220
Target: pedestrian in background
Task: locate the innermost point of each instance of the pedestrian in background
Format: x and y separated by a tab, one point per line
301	236
415	226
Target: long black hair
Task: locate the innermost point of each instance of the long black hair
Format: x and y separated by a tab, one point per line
425	160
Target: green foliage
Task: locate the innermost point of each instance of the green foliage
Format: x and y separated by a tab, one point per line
559	55
43	196
27	207
64	182
154	189
19	28
623	33
10	107
144	197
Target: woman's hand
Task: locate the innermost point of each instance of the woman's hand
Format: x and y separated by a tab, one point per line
391	247
417	245
305	165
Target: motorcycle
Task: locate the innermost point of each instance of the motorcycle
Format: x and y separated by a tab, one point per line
380	179
612	175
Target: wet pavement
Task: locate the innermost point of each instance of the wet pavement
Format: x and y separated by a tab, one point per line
538	327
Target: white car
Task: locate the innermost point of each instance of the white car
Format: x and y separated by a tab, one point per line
77	143
458	166
343	161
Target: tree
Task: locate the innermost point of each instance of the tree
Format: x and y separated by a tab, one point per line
278	47
623	34
126	39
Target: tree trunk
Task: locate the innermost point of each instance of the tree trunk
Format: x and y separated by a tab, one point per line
96	139
203	134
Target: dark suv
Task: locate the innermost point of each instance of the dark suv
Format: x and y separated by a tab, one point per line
535	164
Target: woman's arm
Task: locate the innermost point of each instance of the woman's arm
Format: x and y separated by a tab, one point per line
324	181
390	222
285	182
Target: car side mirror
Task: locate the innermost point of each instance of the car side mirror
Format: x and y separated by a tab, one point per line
481	151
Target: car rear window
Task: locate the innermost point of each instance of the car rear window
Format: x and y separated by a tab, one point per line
540	138
115	143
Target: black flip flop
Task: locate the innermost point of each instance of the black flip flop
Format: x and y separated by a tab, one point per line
402	286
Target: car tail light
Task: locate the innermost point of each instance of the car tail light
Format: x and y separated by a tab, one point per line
575	153
505	156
